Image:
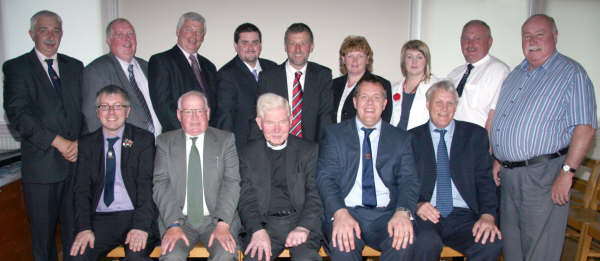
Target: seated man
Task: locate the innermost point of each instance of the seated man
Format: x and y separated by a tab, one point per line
196	184
279	202
367	180
457	202
113	184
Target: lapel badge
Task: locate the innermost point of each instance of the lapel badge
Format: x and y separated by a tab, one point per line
110	154
127	143
368	156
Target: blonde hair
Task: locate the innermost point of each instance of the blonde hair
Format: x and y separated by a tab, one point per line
423	49
355	43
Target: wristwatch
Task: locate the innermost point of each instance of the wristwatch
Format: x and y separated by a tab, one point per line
568	168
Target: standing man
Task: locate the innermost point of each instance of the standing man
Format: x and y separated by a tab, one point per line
238	83
544	124
279	202
478	81
42	102
196	184
457	203
120	67
181	69
306	85
113	185
367	179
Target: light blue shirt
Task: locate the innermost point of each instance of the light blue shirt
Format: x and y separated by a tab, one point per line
121	200
457	200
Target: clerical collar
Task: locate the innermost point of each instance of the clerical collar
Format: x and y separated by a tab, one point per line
278	147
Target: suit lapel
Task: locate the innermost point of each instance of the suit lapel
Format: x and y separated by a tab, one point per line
281	80
210	166
354	153
98	156
178	158
119	71
429	164
290	168
384	146
125	156
38	70
457	147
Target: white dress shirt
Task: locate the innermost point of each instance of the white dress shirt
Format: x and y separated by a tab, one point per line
290	73
481	90
188	147
419	114
43	58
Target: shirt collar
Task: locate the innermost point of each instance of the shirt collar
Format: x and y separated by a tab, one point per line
449	128
119	134
359	125
256	67
186	54
289	68
525	64
481	61
125	65
43	57
278	147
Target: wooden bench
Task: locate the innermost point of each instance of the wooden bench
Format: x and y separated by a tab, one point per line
200	251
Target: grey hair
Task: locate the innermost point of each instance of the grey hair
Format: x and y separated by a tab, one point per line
478	22
118	20
192	93
110	90
548	18
34	19
270	101
193	16
442	85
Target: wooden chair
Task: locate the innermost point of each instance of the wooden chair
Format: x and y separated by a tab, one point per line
582	194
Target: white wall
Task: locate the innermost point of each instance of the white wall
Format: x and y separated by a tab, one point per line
385	23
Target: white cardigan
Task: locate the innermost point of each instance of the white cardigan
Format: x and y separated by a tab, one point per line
418	110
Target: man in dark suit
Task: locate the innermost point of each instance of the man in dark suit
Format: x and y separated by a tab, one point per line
367	180
181	69
196	185
306	85
120	67
457	202
42	102
238	83
113	184
279	202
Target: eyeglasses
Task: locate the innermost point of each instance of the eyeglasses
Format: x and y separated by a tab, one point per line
116	107
190	112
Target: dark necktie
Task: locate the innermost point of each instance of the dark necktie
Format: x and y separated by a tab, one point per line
109	179
463	81
369	198
297	106
198	73
140	96
55	79
195	189
443	197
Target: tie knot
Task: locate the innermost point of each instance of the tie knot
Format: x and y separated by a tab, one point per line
49	61
130	68
367	130
193	140
442	132
111	141
298	74
469	67
193	58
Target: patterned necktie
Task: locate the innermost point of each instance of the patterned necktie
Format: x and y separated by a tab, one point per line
195	189
443	196
109	179
369	197
297	107
255	73
55	79
198	72
463	81
140	96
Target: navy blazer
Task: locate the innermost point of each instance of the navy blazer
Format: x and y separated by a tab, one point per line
470	166
348	111
169	76
236	95
339	156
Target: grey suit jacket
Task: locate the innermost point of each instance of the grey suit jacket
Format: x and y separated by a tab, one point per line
220	171
103	71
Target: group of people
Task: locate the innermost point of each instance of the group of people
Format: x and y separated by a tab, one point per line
261	157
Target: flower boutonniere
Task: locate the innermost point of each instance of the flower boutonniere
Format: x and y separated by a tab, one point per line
396	96
127	143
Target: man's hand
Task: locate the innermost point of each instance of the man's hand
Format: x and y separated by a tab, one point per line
67	148
136	239
297	237
223	235
560	188
496	172
82	240
170	239
428	212
344	229
485	228
401	229
260	243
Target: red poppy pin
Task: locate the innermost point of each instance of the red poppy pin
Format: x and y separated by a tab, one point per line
397	96
368	156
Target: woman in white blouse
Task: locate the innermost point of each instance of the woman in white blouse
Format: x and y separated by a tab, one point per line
408	95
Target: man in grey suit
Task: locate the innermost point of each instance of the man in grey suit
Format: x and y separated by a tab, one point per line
190	212
120	67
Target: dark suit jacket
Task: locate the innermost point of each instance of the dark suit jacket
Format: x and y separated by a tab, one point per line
170	76
317	103
339	156
106	70
136	169
255	170
236	96
470	165
35	111
348	111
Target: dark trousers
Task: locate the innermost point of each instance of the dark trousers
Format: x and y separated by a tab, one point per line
110	230
278	228
455	231
373	225
46	204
